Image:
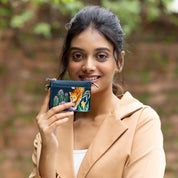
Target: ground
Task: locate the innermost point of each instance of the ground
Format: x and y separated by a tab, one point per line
151	71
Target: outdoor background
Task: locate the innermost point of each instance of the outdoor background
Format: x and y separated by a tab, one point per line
31	36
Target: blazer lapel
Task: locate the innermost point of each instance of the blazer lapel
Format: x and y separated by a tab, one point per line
109	132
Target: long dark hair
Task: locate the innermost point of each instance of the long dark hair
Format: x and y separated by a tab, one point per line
101	20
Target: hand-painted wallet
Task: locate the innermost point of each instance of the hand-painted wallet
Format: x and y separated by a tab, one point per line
78	92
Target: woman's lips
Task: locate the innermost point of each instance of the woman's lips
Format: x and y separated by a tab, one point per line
89	78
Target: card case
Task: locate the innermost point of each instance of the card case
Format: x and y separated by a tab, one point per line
78	92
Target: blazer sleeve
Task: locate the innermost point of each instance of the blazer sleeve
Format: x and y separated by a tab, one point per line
36	157
147	158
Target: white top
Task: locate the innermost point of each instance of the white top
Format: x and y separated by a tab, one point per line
78	158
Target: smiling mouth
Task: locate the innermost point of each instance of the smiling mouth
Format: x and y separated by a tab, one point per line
92	78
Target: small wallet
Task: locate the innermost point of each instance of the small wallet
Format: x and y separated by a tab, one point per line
78	92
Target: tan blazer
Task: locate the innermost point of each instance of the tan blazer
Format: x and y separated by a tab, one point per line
128	144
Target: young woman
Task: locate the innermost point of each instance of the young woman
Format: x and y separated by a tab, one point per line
120	137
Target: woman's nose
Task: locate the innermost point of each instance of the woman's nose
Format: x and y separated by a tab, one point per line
89	65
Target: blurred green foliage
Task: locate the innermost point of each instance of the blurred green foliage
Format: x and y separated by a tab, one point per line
18	21
17	14
42	28
128	12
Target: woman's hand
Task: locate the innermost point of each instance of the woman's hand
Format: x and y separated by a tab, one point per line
49	120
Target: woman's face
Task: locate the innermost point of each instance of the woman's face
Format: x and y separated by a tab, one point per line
91	59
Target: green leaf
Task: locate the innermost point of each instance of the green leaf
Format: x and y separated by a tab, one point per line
43	29
18	21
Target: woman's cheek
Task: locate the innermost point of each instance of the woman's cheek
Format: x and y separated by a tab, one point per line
73	70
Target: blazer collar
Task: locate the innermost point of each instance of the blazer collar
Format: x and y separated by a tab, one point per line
109	132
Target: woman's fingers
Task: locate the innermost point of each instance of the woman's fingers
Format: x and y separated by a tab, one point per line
57	123
48	120
54	117
45	106
60	116
48	126
57	109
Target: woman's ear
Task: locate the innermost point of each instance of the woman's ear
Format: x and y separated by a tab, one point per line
120	64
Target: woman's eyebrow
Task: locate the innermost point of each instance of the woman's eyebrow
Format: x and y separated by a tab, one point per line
102	49
76	48
97	49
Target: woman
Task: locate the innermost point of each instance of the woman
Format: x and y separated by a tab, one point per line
120	137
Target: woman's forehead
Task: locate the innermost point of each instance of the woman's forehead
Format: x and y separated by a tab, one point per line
90	38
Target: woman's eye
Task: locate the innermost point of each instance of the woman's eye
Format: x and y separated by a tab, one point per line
77	57
102	57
